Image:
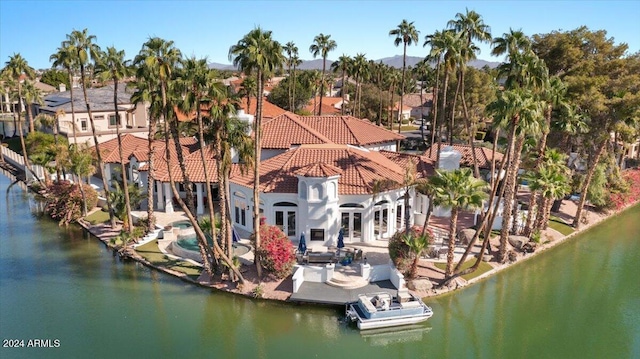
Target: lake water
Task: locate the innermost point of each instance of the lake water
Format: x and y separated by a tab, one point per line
578	300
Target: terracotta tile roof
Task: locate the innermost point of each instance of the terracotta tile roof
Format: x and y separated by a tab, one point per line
424	165
483	155
349	130
130	144
268	109
160	157
360	168
286	130
413	99
329	105
193	166
319	170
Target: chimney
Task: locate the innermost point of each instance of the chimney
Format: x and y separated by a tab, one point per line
62	87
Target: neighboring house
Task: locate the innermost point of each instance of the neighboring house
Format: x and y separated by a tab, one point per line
419	109
269	110
406	111
483	155
330	105
133	120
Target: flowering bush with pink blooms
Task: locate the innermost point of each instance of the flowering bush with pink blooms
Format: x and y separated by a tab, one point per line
276	254
622	199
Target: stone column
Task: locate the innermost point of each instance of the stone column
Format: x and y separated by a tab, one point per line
199	199
168	202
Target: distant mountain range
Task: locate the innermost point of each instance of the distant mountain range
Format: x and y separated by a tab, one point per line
395	61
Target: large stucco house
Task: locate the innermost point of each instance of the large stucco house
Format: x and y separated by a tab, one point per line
133	119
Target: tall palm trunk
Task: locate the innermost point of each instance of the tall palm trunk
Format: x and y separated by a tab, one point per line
393	92
30	115
587	181
534	197
125	182
444	106
293	94
112	217
487	216
508	194
188	185
73	112
207	180
380	95
151	221
404	68
343	91
452	241
517	156
324	63
257	129
434	111
470	132
453	113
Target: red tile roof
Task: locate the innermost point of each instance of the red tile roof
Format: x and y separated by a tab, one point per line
359	169
328	105
268	109
130	144
319	170
483	155
193	167
286	130
350	130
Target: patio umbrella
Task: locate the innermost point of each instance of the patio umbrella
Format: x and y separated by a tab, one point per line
302	245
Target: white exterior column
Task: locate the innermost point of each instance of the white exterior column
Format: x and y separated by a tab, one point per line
199	199
160	197
168	203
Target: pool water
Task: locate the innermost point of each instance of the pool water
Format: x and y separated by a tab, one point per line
190	243
181	224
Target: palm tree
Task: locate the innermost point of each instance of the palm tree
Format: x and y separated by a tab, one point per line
551	180
553	95
511	42
469	26
112	66
147	92
360	70
14	69
322	44
64	58
406	34
257	53
82	166
437	43
393	77
295	62
199	85
249	90
83	48
417	245
291	50
422	71
32	95
518	112
342	65
458	190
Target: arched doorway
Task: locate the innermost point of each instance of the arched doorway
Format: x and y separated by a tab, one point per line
351	221
285	217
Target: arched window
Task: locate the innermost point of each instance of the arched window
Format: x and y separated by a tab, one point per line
332	191
285	204
316	191
302	190
351	205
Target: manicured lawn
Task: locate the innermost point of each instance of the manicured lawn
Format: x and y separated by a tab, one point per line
97	217
559	225
483	268
152	253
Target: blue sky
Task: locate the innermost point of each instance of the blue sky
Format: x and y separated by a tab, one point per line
208	28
